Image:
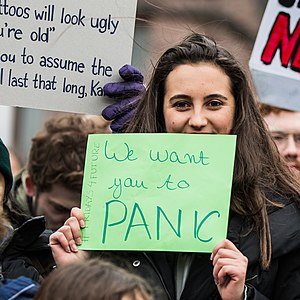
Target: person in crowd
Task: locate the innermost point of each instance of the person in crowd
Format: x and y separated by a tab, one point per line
24	252
93	280
284	126
6	177
198	87
6	182
50	185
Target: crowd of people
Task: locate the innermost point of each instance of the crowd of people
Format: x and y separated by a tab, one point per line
197	87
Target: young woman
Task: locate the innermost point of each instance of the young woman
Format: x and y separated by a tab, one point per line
198	87
15	264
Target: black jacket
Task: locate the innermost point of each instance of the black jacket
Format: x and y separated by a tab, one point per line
25	252
280	281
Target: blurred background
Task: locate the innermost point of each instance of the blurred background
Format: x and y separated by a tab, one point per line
159	24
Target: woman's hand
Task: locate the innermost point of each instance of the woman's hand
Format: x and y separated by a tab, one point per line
64	241
230	267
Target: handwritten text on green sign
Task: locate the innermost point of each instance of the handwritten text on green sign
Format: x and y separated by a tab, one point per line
157	191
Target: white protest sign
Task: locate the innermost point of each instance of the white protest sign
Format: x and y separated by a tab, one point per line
275	60
57	55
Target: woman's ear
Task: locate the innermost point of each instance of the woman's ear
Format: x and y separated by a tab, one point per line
29	186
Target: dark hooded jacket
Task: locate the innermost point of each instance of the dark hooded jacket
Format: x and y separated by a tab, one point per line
25	251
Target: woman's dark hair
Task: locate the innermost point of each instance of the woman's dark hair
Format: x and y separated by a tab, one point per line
93	280
258	169
13	210
3	226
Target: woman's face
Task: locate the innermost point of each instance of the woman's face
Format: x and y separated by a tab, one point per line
198	99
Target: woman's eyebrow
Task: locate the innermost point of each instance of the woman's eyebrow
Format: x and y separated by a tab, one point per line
219	96
180	96
208	97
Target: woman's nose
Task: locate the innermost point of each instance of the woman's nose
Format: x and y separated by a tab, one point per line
198	120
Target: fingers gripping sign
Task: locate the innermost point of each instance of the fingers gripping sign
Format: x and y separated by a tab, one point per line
230	267
64	241
77	213
130	87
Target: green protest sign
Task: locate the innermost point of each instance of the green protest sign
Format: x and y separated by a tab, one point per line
157	192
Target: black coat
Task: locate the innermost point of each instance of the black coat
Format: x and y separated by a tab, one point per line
26	251
280	281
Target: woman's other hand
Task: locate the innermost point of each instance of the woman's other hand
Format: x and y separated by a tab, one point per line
230	267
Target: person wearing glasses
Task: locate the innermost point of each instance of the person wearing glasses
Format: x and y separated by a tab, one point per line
284	126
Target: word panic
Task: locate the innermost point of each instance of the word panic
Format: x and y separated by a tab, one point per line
135	218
